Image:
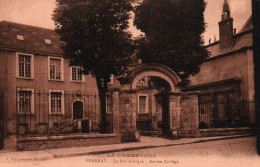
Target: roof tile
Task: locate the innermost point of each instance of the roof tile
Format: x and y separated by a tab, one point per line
34	38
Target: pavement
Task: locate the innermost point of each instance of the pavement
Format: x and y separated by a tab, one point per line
145	143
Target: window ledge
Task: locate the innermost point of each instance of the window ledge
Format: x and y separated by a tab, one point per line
56	114
29	114
27	78
78	81
56	80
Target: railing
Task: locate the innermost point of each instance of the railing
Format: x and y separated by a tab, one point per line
221	112
43	113
144	122
143	125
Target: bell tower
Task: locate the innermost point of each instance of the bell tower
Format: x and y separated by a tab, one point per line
225	28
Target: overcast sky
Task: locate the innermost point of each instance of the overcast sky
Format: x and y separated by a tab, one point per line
38	13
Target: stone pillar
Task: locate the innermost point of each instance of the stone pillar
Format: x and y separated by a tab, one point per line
174	113
189	118
171	112
127	100
115	109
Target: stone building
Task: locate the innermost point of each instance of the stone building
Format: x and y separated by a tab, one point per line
226	79
40	92
230	66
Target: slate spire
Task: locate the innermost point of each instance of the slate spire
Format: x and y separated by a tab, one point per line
226	10
225	28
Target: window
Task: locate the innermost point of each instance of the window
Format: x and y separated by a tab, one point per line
25	65
55	69
56	102
47	41
142	104
20	37
25	99
76	74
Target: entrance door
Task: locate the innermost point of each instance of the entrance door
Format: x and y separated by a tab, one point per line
163	112
165	115
77	110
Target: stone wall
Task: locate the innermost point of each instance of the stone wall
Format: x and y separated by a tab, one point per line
189	117
225	131
237	65
39	143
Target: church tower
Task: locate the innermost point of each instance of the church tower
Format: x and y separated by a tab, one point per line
225	28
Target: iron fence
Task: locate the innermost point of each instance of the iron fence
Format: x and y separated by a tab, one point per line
143	125
144	122
57	112
225	110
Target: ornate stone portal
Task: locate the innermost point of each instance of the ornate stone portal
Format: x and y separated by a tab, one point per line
150	100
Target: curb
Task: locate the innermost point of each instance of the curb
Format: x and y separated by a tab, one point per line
127	149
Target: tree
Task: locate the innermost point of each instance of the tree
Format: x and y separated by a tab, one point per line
172	37
95	38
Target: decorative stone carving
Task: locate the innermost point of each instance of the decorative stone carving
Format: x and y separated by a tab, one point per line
147	74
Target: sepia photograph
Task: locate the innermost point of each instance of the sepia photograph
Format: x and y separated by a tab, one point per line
129	83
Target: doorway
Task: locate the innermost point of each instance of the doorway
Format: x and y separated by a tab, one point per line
77	110
162	110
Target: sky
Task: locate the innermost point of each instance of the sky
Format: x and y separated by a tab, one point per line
39	13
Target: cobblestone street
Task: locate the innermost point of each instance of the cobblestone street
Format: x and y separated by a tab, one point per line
230	152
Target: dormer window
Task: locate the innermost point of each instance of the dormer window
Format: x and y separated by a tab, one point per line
48	41
20	37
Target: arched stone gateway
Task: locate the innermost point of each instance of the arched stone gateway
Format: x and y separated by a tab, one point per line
144	82
150	100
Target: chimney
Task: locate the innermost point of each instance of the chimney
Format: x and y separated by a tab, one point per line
225	28
235	31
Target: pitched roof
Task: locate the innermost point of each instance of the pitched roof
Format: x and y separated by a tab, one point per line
29	38
241	41
248	25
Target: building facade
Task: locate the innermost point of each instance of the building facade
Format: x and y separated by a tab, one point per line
38	82
226	79
230	63
42	95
